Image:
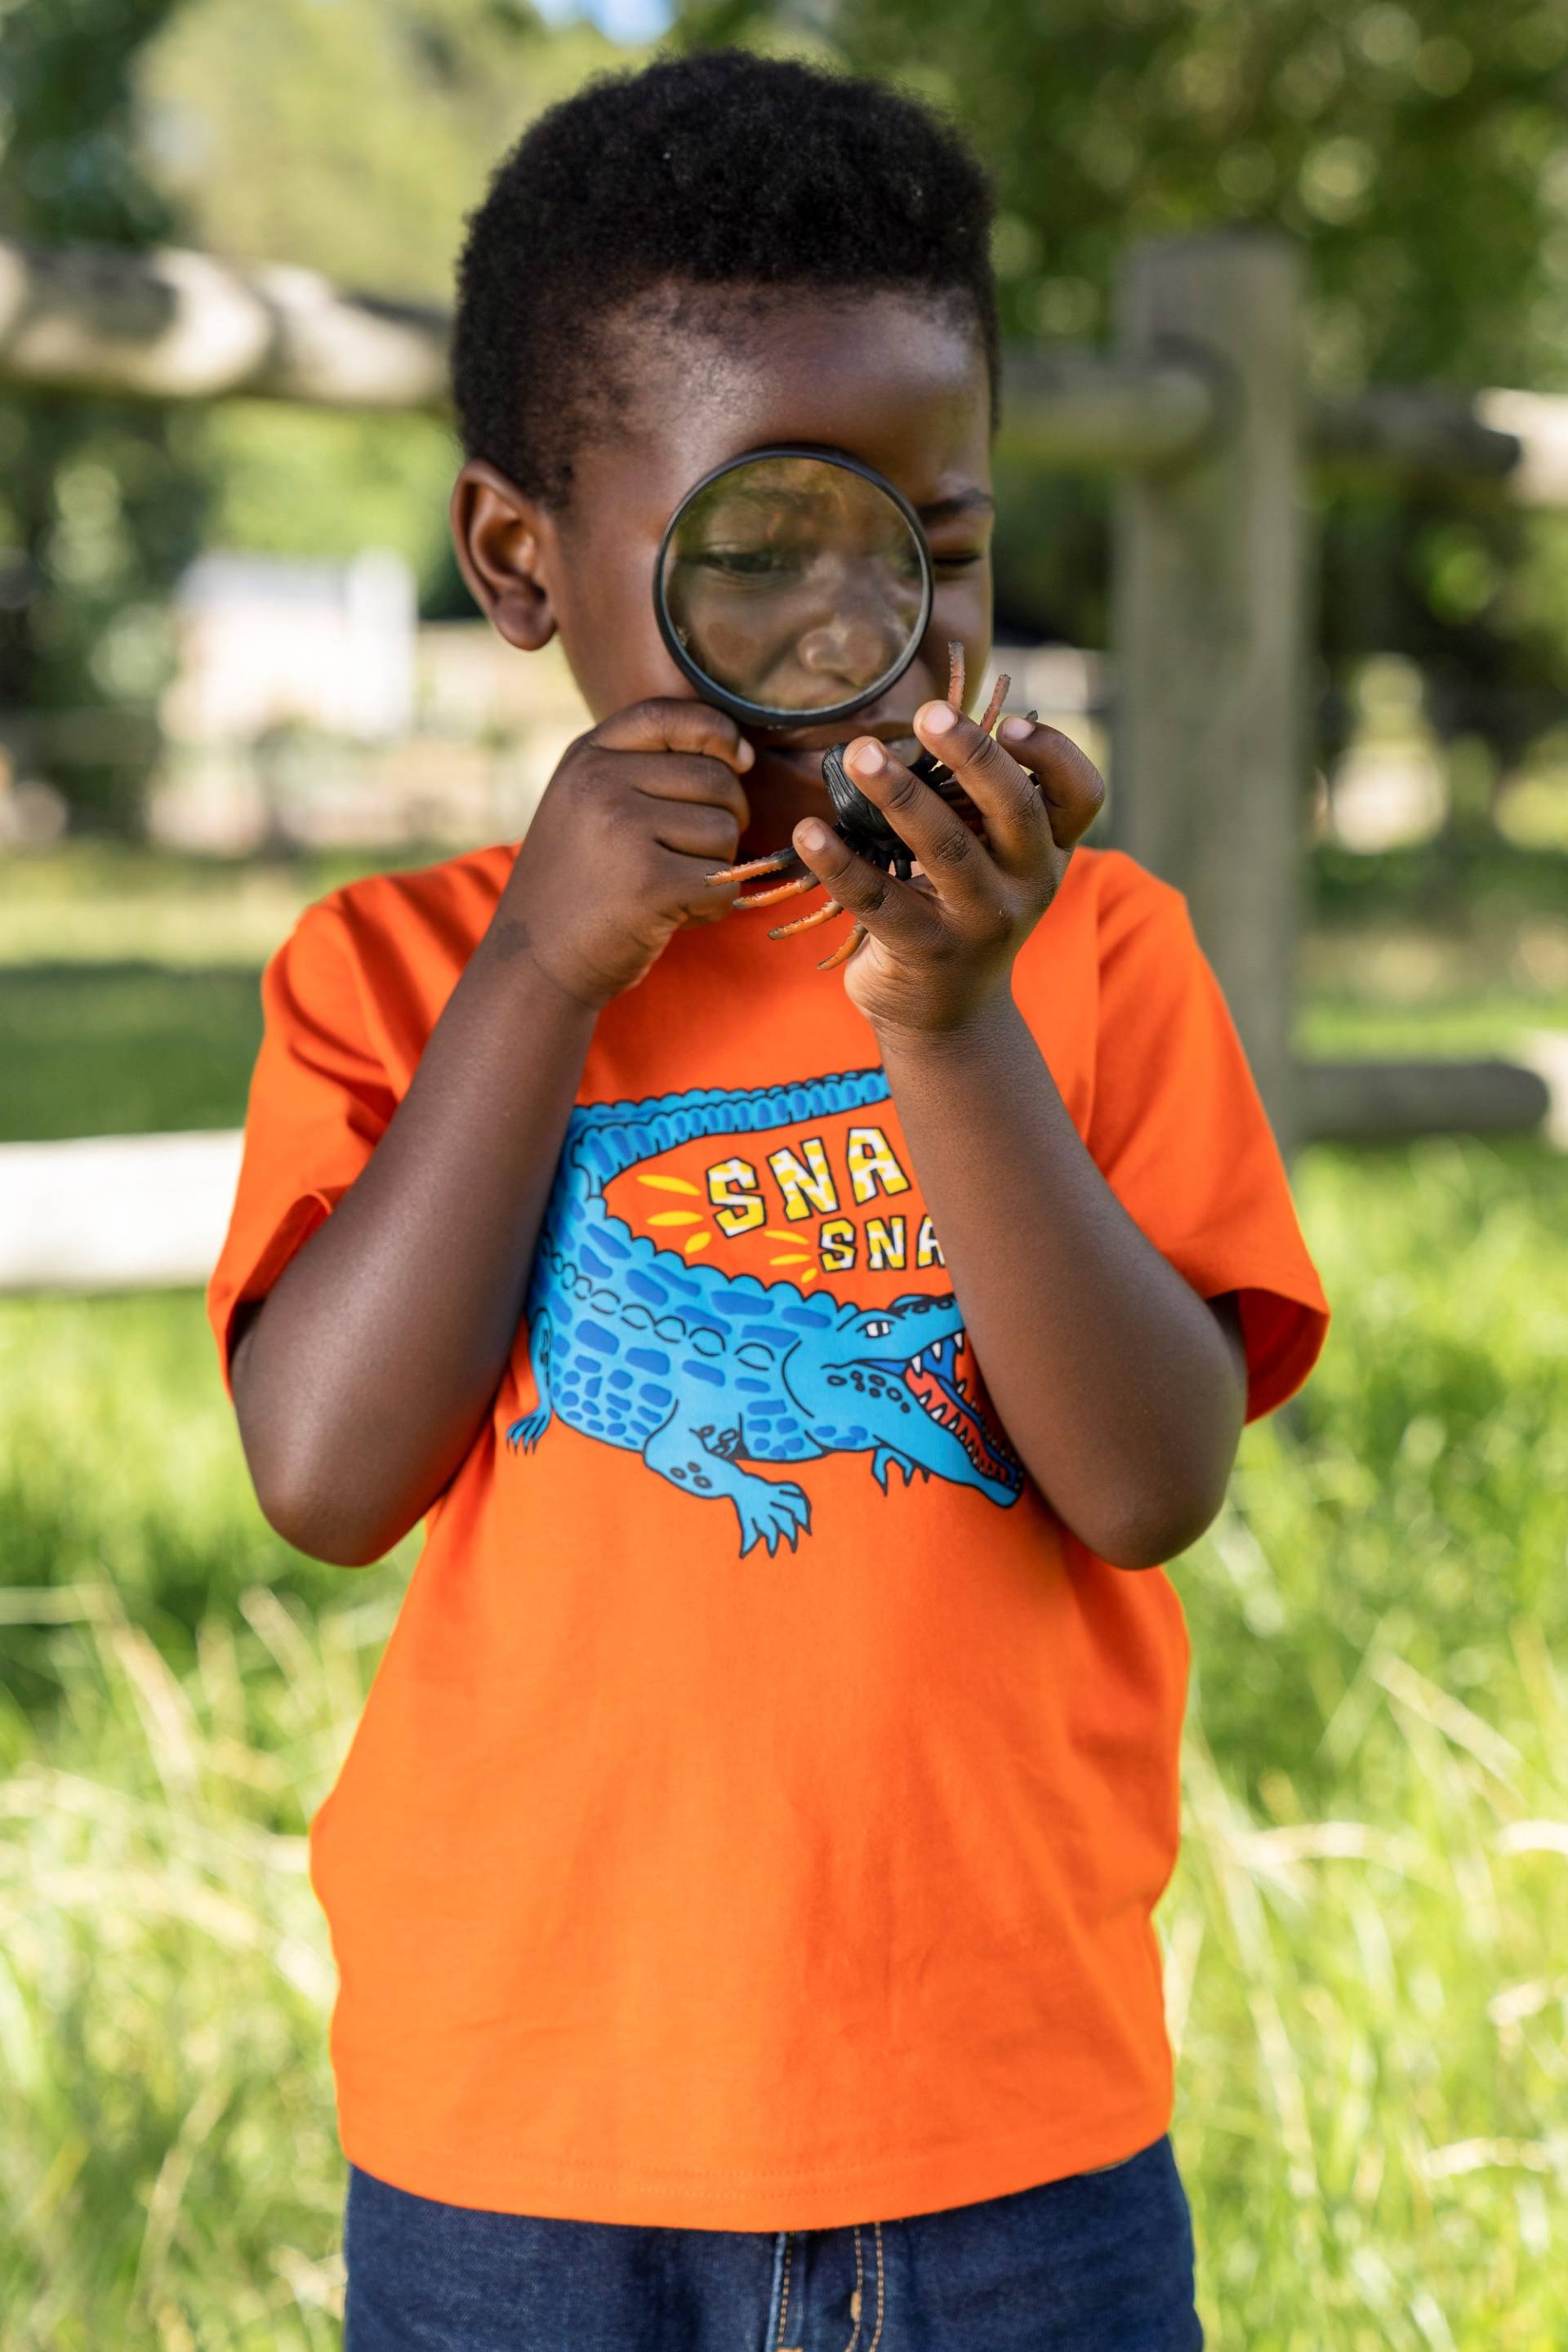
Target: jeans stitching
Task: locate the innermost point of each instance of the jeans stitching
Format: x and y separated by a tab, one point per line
858	2305
784	2297
878	2337
781	2240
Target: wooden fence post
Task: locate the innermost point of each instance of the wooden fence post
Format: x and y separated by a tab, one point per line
1209	629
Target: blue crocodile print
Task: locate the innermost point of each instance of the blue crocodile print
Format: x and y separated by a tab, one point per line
704	1373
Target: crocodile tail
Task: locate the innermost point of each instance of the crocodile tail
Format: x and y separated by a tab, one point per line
603	1138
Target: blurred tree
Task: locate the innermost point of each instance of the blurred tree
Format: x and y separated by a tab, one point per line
347	138
101	501
352	138
1419	149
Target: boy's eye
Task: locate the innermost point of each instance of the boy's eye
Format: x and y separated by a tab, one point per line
748	562
957	562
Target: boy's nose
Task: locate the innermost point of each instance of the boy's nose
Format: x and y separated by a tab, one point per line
846	647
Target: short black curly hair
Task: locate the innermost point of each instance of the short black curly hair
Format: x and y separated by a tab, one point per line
722	168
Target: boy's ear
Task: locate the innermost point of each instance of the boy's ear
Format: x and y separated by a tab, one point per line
506	547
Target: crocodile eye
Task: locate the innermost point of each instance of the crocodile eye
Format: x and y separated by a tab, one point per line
878	1330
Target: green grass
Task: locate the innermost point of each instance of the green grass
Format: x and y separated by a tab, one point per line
177	1690
94	901
1364	1937
1342	1023
124	1048
128	982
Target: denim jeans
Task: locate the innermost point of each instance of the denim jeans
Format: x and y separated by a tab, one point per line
1101	2261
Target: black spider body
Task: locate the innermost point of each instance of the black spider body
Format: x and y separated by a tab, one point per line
860	825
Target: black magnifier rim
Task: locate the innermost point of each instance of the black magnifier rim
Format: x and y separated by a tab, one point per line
771	714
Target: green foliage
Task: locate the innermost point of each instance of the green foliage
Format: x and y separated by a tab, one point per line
347	139
1418	152
1363	1947
103	501
390	120
309	482
1104	124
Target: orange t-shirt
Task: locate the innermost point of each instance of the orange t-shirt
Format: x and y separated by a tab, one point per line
757	1814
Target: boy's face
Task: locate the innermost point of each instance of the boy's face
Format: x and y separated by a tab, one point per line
892	379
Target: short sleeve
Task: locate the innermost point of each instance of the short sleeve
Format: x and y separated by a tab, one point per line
1180	1133
320	1101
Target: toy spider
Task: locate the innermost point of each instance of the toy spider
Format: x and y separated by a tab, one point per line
861	825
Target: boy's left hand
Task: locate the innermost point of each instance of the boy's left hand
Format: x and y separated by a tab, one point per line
940	946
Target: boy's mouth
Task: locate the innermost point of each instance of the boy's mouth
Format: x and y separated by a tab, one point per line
805	759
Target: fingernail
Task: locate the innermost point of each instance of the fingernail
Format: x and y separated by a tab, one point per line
868	758
747	753
936	718
811	836
1013	730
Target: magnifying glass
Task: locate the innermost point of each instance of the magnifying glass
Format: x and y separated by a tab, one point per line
793	585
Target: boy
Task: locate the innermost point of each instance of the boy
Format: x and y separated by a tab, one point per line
741	1878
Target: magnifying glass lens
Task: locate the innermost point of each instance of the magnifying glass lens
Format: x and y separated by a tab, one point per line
795	586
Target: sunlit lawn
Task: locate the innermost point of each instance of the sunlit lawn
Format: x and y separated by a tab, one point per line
1367	1971
128	985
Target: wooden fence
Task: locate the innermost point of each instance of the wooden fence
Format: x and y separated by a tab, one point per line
1199	416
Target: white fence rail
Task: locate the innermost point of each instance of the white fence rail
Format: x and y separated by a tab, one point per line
115	1212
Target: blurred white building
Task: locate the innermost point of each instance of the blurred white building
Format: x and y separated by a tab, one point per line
309	706
265	639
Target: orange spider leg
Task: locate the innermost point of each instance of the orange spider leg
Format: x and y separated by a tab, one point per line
955	687
808	922
998	696
842	954
784	891
769	865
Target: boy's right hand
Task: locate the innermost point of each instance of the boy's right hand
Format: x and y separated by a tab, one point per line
617	856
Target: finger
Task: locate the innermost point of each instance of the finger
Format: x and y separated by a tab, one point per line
695	829
705	783
1073	787
892	912
955	858
675	723
681	886
1018	826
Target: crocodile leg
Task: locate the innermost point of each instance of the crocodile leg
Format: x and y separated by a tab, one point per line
530	1428
697	1455
889	1457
